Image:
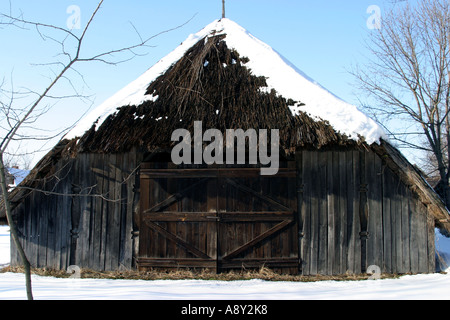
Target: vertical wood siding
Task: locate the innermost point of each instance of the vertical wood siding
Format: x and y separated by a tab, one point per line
353	212
87	217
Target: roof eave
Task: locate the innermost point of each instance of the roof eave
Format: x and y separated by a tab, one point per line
412	177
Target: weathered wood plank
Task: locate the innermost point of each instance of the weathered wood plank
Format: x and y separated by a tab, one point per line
97	239
34	235
176	263
332	186
65	215
363	209
172	188
85	238
353	257
258	228
105	216
431	244
28	237
116	220
292	244
41	214
405	194
124	234
128	176
375	223
51	227
343	212
321	194
414	240
314	244
300	207
396	215
306	212
74	258
144	203
258	263
422	238
134	207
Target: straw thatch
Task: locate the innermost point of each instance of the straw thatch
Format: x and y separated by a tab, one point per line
211	83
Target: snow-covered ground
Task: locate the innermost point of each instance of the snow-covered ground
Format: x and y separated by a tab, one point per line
431	286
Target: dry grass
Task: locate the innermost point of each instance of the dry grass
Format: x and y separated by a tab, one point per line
263	274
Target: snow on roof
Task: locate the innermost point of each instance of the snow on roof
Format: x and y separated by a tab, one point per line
281	75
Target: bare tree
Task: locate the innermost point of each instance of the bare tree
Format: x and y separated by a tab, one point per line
17	117
408	76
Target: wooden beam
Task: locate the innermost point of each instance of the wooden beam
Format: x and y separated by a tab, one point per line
259	238
144	262
167	216
259	262
238	216
255	216
213	172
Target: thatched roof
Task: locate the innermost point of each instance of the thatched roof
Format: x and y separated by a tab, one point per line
223	94
223	69
214	83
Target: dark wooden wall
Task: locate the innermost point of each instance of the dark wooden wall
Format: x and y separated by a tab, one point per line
86	216
353	212
43	222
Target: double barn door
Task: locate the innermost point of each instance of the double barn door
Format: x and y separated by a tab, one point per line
218	219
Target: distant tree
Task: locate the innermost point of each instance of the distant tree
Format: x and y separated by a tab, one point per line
408	77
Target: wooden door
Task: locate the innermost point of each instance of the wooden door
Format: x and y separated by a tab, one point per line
218	219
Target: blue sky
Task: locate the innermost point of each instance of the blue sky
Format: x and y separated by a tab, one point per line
323	38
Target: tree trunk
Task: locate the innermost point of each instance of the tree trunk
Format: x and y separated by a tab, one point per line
443	190
13	230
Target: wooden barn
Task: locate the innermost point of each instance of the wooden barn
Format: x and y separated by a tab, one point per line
109	196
